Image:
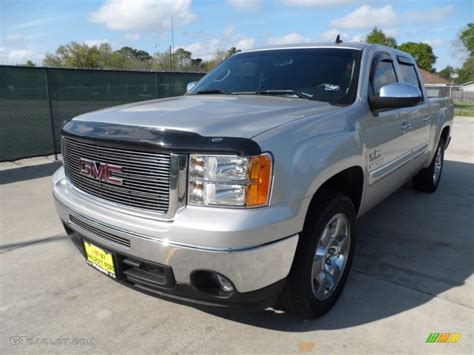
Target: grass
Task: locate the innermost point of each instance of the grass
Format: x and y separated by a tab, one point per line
464	108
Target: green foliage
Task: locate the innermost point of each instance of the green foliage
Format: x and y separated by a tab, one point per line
80	55
422	52
463	108
446	72
132	53
377	36
232	51
29	63
467	38
466	73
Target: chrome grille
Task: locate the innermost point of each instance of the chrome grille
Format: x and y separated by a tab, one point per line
100	233
146	176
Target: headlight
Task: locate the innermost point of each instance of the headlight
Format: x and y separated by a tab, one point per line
229	180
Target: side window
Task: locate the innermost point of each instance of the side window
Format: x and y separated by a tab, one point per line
409	75
384	74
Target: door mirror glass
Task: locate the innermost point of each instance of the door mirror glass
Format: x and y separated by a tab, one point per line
396	95
190	86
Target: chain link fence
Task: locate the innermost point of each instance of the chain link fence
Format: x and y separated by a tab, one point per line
36	102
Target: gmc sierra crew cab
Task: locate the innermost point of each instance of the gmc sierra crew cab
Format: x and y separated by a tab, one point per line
244	191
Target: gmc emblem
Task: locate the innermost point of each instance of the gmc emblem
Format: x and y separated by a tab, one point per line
100	171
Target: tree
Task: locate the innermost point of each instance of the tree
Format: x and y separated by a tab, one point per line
377	36
422	52
132	53
182	58
467	38
79	55
466	72
232	51
446	72
29	63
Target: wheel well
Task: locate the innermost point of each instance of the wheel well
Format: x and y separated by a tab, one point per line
348	182
445	134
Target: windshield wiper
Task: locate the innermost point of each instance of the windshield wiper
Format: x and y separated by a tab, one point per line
211	91
300	94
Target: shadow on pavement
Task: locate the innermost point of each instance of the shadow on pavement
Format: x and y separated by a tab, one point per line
12	246
28	172
410	248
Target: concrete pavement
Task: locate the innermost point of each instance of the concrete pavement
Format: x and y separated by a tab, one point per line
412	275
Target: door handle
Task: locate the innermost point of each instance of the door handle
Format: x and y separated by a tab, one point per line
427	119
405	126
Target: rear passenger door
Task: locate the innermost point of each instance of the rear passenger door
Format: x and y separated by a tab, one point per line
387	134
418	116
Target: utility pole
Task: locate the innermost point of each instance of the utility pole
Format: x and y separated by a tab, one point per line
172	44
170	58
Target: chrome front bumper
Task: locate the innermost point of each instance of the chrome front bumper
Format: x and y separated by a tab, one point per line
250	266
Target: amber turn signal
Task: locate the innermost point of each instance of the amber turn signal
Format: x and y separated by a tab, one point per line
260	178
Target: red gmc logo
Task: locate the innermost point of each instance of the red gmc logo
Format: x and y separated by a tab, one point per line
100	171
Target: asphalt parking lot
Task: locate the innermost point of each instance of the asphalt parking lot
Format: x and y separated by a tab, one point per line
412	276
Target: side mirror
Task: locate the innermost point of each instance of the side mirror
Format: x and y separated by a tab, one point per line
396	95
190	86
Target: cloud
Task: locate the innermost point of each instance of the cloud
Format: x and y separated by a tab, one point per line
14	38
315	3
207	47
330	36
18	39
95	42
429	15
245	5
143	15
19	56
133	36
288	39
358	38
245	43
366	17
435	42
39	22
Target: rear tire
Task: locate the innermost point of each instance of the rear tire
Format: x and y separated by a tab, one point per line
427	180
323	256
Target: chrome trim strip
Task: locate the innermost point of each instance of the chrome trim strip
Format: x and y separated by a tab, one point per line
110	237
420	150
127	234
386	169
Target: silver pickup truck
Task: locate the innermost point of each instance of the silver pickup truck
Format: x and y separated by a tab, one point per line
244	191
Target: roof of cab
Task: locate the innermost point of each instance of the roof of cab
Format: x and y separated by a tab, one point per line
348	45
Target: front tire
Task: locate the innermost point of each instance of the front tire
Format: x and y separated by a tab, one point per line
323	256
427	180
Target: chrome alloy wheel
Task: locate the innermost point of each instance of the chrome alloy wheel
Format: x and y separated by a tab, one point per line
438	164
331	256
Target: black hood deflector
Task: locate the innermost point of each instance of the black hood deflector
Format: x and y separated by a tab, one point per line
156	140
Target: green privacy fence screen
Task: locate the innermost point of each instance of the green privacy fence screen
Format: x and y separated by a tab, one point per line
36	102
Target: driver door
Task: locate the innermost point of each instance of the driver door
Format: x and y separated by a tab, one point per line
388	146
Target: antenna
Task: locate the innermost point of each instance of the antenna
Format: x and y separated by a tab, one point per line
338	39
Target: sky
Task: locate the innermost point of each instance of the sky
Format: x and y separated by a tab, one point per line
31	28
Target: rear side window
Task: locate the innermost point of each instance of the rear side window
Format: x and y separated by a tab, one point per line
384	74
409	75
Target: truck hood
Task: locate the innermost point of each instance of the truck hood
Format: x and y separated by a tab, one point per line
242	116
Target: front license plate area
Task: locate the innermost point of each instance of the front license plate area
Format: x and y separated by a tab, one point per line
100	259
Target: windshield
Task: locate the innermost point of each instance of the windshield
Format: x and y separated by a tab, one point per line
321	74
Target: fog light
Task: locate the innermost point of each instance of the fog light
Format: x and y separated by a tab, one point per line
224	283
